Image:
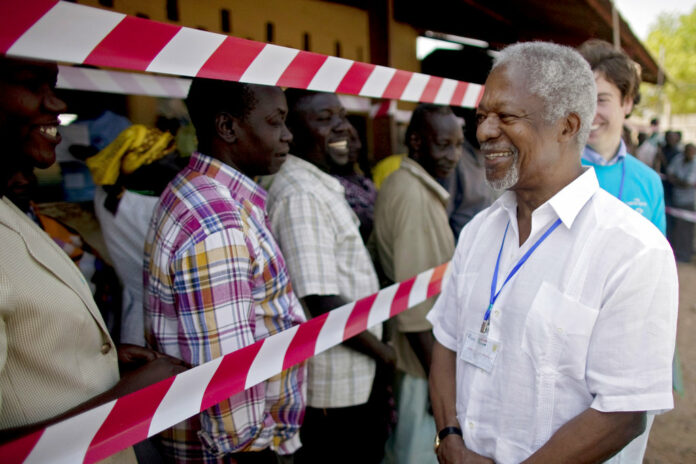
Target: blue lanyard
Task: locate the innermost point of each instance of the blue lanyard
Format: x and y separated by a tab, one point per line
623	175
494	282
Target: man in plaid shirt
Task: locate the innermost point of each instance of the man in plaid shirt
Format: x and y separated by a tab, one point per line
215	280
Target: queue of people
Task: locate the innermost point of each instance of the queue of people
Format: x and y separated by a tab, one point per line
552	340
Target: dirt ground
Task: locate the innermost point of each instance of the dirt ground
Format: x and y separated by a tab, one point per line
673	436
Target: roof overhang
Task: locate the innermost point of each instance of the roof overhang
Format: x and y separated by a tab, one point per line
502	22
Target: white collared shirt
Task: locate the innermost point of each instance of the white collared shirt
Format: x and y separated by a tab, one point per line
588	321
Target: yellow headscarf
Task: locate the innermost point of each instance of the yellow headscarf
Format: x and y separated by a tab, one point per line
134	147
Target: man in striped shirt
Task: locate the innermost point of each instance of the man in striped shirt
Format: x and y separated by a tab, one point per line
215	280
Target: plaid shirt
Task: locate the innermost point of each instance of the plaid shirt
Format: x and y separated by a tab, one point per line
318	233
215	281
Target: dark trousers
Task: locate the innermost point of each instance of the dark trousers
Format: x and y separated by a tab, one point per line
680	233
260	457
341	435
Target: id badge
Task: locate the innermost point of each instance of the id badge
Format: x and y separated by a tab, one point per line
480	350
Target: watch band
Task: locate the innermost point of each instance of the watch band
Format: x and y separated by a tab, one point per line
448	431
444	432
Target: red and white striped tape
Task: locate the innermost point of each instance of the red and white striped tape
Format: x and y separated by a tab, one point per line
129	83
72	33
112	427
684	214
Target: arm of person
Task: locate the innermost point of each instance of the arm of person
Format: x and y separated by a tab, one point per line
151	368
211	282
591	437
306	235
452	449
422	345
628	371
147	368
403	226
365	342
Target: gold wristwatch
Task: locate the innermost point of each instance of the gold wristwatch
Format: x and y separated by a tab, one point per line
444	432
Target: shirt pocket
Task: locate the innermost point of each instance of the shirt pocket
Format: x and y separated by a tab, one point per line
557	333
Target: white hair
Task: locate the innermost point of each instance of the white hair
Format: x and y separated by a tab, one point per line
560	76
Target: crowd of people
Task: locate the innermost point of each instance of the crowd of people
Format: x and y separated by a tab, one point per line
553	338
674	162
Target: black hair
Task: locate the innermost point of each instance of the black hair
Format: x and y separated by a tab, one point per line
209	97
417	125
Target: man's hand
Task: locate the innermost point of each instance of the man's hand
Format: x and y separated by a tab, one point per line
387	355
453	451
153	368
159	368
131	357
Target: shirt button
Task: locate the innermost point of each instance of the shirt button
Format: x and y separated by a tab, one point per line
471	424
105	348
497	312
559	329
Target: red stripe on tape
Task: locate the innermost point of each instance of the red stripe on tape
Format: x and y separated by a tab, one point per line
134	412
230	376
18	450
355	78
435	284
480	96
18	17
132	44
304	342
459	92
400	301
397	84
301	70
357	321
383	109
231	59
431	89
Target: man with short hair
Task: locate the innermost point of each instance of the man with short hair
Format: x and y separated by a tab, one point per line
329	266
56	356
556	331
619	172
412	235
215	279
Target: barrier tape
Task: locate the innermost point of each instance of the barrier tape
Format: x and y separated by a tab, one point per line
100	432
71	33
684	214
129	83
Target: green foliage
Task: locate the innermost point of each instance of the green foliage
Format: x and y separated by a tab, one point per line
676	34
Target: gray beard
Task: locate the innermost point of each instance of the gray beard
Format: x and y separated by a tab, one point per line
509	180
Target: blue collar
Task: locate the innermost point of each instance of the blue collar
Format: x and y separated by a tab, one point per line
593	157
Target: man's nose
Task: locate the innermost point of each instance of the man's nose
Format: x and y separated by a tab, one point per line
488	128
54	104
342	125
286	135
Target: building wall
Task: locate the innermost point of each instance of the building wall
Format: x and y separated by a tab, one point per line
318	26
327	24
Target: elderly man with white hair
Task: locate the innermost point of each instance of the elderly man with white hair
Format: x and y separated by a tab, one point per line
556	330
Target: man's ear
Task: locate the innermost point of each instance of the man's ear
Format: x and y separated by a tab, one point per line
570	126
627	106
226	127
